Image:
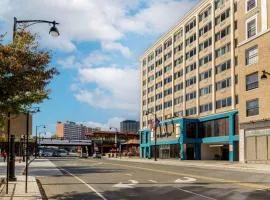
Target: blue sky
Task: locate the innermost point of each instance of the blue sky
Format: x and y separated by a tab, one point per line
97	53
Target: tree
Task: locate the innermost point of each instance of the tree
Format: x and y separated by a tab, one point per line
24	74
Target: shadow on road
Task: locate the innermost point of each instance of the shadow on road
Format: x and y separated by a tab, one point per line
169	193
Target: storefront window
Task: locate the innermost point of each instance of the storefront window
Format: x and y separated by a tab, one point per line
214	128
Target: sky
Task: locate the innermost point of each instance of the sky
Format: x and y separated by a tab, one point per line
97	53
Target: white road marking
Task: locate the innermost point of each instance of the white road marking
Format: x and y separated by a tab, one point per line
128	174
126	185
206	197
153	181
87	185
185	180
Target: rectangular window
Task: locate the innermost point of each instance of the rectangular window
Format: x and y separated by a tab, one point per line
159	85
252	107
191	111
178	87
251	28
252	55
219	4
178	100
222	17
159	62
191	25
151	68
223	50
178	48
159	107
205	60
167	43
158	50
178	74
178	35
223	84
167	92
205	14
251	4
158	96
223	66
167	68
150	57
206	107
223	103
205	90
207	43
159	73
252	81
190	68
191	96
191	81
178	61
191	53
205	75
191	39
167	56
205	29
167	104
167	80
223	33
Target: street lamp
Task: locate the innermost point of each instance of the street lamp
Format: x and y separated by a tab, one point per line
264	75
10	161
53	30
155	122
36	145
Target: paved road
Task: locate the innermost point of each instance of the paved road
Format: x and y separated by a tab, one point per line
116	180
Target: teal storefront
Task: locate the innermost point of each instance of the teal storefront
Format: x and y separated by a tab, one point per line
213	137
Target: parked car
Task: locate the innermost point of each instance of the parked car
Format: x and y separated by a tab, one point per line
47	153
62	153
97	155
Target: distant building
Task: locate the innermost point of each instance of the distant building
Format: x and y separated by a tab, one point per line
130	126
73	131
17	126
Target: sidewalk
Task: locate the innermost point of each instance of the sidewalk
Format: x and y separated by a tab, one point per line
211	164
17	190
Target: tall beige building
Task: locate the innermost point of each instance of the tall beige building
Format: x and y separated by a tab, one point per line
207	81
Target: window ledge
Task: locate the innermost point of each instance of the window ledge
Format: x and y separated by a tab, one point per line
253	38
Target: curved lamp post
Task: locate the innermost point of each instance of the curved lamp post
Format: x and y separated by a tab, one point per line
54	32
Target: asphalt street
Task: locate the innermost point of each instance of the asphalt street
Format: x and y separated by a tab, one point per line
75	178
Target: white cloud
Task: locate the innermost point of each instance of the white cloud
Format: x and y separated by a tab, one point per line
116	88
109	46
69	62
95	20
112	122
157	17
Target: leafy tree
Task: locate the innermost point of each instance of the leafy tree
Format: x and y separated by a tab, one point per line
24	74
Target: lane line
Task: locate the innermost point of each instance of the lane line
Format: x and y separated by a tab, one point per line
221	180
87	185
153	181
200	195
128	174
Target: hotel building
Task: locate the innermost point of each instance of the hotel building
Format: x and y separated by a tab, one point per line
207	81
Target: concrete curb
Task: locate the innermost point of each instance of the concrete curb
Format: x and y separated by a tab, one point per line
205	166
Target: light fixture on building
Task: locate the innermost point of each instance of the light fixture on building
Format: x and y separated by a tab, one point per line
264	75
